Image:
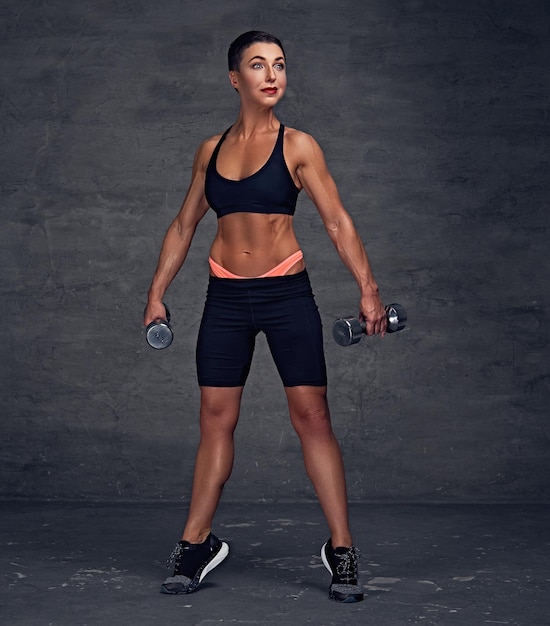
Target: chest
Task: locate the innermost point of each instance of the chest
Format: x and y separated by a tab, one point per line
240	159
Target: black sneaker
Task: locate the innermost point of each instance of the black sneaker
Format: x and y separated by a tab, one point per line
192	561
342	564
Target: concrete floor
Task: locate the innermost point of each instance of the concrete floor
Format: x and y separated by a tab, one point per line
75	564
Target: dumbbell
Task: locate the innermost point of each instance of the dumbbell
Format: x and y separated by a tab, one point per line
349	330
159	333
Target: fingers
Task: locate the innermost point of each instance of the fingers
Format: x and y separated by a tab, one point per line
376	322
373	313
376	327
154	312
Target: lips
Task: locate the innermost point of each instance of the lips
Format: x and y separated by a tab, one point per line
270	90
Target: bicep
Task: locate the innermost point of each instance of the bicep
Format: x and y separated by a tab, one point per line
318	182
195	205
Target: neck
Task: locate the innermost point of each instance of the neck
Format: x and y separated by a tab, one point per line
250	122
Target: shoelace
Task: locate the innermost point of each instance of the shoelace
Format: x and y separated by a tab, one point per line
175	556
347	565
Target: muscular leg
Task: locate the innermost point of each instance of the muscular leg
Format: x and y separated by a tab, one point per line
219	414
310	417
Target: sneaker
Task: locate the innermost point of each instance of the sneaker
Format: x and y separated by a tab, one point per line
342	565
192	561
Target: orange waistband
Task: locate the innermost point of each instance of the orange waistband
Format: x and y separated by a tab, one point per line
279	270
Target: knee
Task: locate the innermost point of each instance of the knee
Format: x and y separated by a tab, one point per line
217	422
312	420
218	417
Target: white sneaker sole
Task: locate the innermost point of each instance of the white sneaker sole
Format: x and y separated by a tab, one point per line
220	556
325	560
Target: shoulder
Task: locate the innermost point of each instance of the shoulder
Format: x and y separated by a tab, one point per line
302	146
299	138
207	146
204	152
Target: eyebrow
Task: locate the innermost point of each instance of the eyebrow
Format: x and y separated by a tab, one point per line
264	59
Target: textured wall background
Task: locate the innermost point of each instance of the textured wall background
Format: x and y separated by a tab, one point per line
434	119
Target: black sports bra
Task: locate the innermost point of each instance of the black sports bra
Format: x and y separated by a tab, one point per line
269	190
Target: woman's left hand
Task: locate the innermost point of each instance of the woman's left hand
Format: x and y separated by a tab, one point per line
373	313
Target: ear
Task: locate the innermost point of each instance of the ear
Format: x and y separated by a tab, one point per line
233	79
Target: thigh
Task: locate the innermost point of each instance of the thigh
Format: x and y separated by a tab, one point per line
295	338
225	346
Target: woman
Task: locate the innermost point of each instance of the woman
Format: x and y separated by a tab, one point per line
251	176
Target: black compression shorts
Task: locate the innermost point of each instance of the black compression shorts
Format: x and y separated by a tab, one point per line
237	309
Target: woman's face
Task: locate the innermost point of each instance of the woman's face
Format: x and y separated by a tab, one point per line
261	75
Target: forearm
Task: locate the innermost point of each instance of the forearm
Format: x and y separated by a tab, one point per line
173	253
353	254
351	250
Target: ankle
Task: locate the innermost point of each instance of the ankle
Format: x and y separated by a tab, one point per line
341	541
196	537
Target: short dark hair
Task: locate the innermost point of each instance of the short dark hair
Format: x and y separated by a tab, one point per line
244	41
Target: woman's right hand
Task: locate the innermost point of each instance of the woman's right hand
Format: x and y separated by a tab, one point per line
154	311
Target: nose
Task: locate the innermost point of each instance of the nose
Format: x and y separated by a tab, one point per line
270	74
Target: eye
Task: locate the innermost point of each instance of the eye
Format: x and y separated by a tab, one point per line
280	66
257	66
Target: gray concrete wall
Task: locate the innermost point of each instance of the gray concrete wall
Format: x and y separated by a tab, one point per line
434	119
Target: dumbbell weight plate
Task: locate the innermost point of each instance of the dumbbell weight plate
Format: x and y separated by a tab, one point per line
159	333
397	317
347	331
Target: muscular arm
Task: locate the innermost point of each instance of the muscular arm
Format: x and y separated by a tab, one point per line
315	177
179	235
